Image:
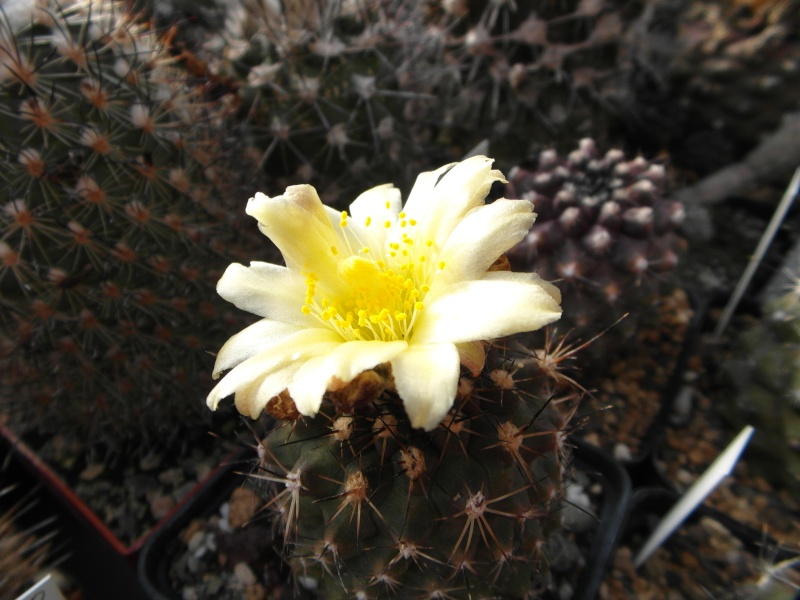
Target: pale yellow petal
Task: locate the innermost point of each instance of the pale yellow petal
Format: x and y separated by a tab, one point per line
419	200
502	303
266	290
426	378
251	399
344	362
298	346
481	237
299	226
373	209
307	388
250	341
460	189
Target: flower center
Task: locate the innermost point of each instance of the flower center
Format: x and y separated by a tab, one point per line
383	296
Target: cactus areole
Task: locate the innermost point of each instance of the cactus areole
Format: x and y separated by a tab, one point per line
409	286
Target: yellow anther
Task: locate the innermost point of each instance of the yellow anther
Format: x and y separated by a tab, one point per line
424	289
365	250
368	222
387	224
441	265
305	310
418	306
334	250
388	205
412	222
399	316
422	258
402	223
429	243
408	240
402	215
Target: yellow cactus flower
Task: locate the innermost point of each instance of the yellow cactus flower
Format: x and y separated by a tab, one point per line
380	283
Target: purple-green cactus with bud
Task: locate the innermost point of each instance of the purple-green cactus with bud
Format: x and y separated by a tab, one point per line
604	229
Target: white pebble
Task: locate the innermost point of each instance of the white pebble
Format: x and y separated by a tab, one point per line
189	594
244	574
622	452
683	476
308	583
197	540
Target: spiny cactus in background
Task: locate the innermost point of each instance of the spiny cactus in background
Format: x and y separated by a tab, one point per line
765	372
24	552
515	72
109	254
603	228
335	92
370	508
318	84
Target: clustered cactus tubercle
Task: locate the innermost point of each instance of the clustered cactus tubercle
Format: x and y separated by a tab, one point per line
604	228
109	237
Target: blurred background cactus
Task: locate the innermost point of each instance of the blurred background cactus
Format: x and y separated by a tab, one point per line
112	236
715	77
764	371
370	507
604	231
333	92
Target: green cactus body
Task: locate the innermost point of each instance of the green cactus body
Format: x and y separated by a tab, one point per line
765	374
109	240
603	228
371	508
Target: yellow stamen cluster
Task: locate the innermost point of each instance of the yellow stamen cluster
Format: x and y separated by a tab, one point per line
383	297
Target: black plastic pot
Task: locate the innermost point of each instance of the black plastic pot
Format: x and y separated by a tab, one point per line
616	500
155	559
